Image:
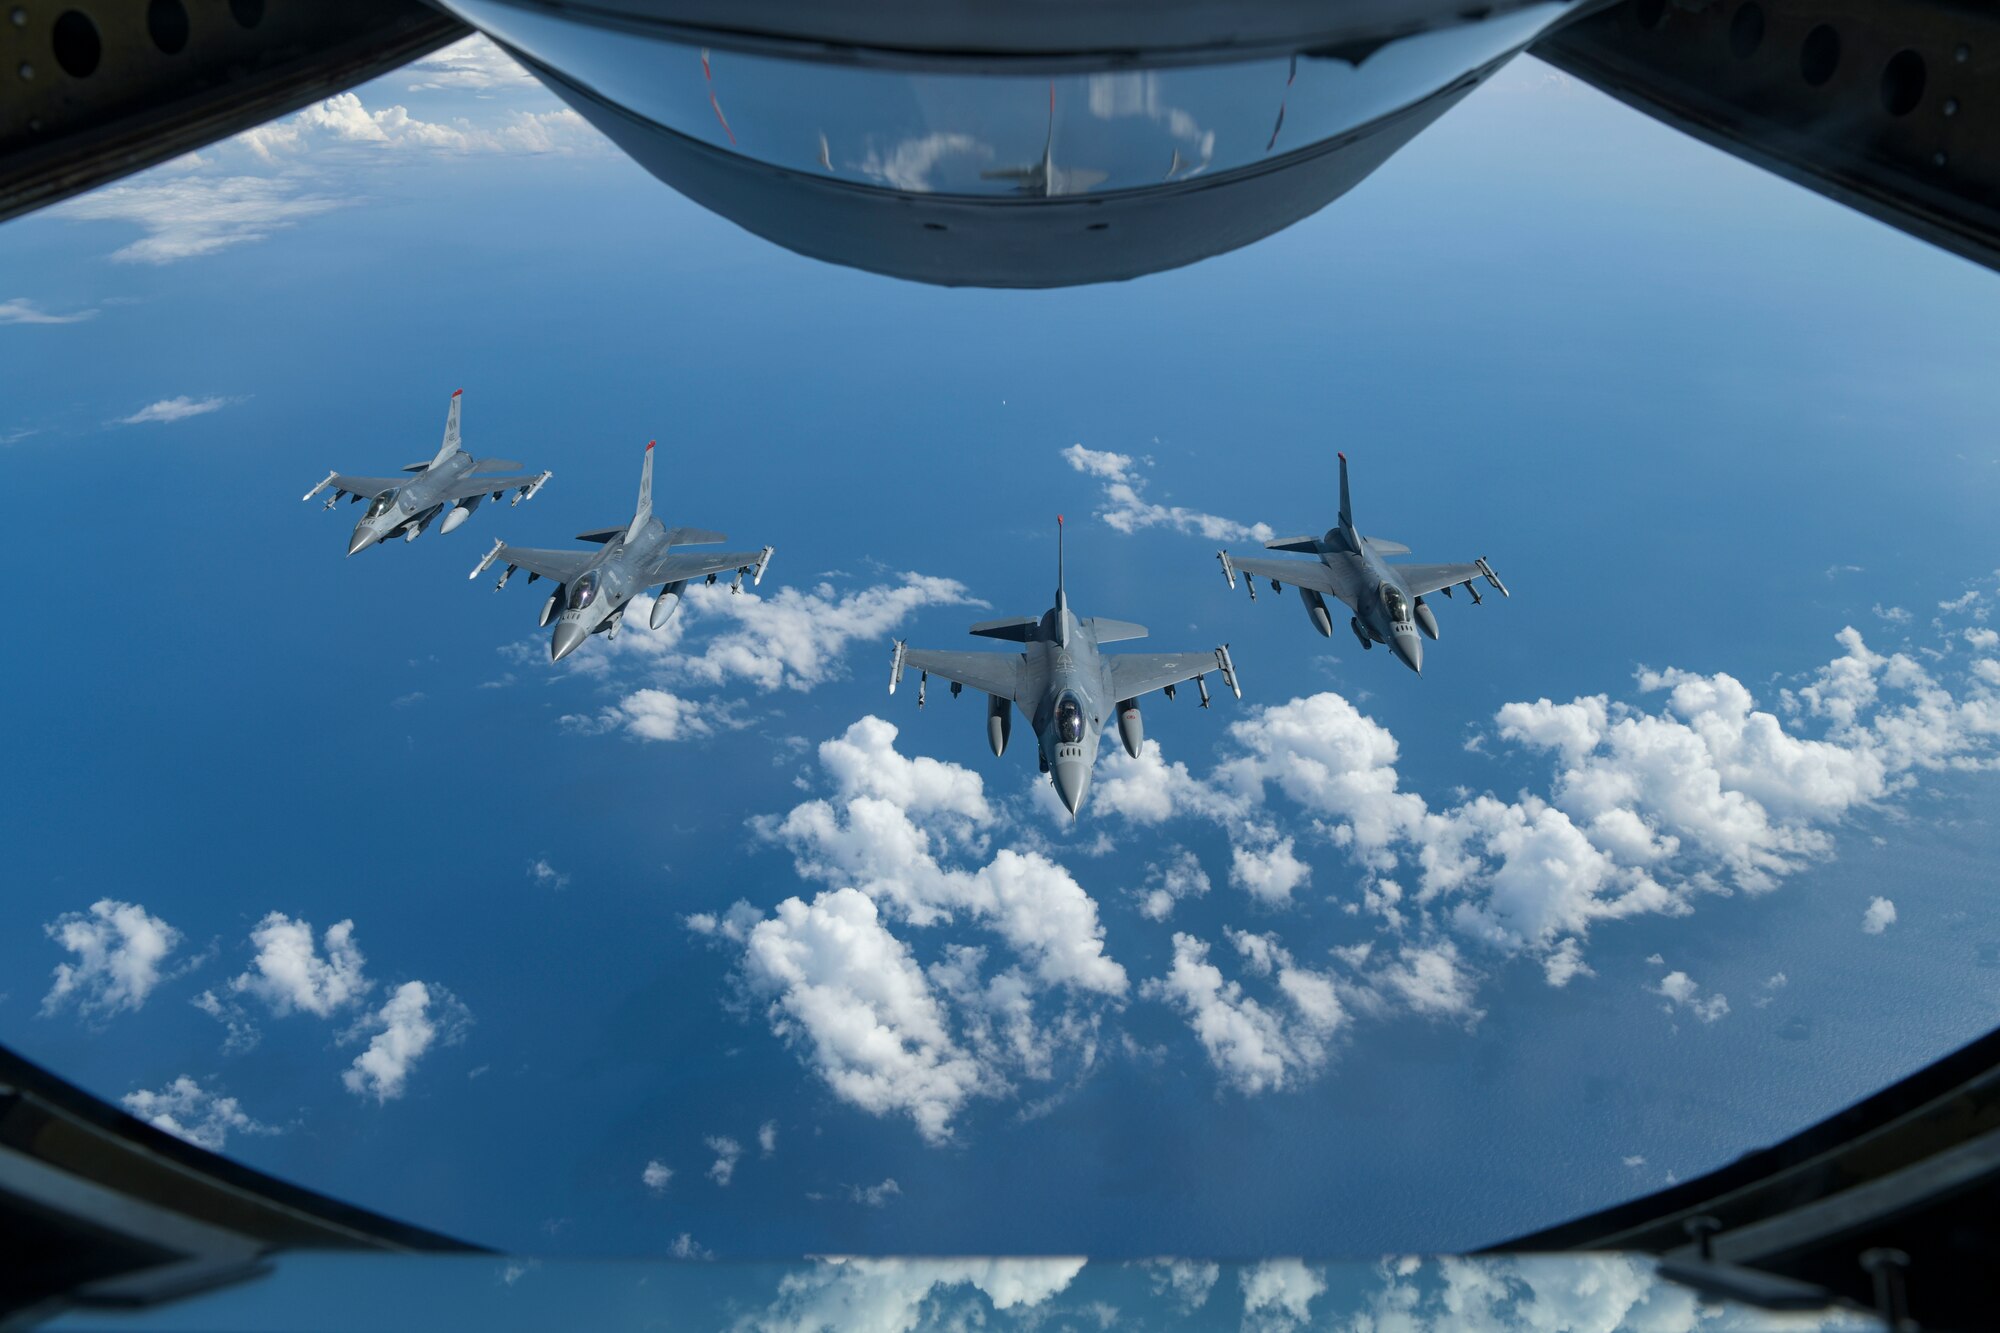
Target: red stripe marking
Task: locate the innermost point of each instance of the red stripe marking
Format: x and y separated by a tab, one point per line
1341	457
456	392
650	444
705	73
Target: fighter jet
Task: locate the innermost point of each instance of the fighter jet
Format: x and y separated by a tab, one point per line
1044	179
593	588
1388	600
454	481
1063	684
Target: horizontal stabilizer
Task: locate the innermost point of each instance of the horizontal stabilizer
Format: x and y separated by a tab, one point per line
1383	546
1333	542
1115	631
418	467
693	537
601	535
1020	629
495	465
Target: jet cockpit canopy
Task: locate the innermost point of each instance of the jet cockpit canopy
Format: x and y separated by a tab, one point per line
1069	720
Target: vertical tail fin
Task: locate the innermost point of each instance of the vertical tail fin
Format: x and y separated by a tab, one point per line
450	445
1346	508
1062	593
645	510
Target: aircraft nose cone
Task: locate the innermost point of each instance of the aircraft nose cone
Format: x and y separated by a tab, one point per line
363	539
568	636
1410	649
1071	777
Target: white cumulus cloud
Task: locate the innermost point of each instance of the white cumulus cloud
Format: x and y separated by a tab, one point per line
289	971
892	1295
844	989
178	408
188	216
187	1110
474	63
1881	915
1188	1281
875	1196
119	948
1278	1294
20	310
727	1153
415	1018
1682	992
1255	1046
1128	511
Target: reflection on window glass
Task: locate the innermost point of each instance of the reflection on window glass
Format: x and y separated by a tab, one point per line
1007	135
381	504
583	592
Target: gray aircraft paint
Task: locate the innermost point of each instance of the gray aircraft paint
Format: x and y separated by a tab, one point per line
452	484
1387	600
593	588
1063	684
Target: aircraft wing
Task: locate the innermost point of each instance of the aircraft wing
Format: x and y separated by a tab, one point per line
365	487
1299	573
1134	674
1420	579
676	566
480	484
1072	180
996	673
562	566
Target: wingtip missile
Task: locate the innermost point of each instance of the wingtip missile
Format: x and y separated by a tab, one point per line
1491	577
896	656
1228	667
762	560
322	486
1228	570
529	491
486	562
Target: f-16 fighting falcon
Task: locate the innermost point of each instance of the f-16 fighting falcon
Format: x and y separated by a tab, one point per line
454	480
1062	683
1044	179
594	587
1388	600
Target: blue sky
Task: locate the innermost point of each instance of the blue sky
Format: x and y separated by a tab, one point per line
1701	420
